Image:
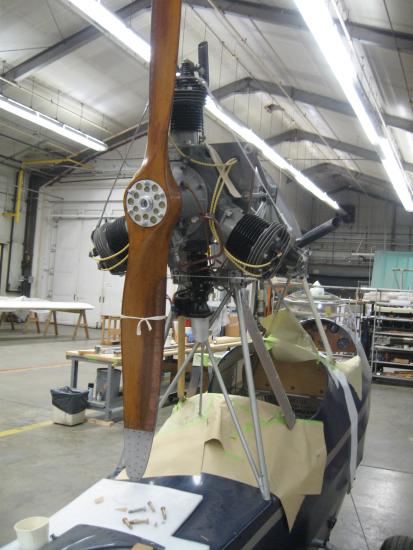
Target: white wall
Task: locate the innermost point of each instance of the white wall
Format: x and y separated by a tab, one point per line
7	189
63	269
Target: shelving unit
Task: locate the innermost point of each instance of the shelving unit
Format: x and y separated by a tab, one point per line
391	353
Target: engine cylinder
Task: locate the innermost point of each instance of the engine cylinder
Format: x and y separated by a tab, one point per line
189	100
257	242
109	239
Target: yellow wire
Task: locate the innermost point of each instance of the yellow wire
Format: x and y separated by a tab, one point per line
217	192
200	162
223	170
116	265
240	264
214	201
230	162
112	256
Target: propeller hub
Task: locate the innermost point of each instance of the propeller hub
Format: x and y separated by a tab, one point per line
146	203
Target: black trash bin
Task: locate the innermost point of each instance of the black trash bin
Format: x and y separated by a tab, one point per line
69	405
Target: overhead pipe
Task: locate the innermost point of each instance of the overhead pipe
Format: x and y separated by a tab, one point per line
18	198
11	238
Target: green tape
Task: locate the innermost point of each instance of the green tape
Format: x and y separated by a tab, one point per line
233	456
270	341
179	406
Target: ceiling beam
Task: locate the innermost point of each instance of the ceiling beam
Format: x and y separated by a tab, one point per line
124	137
10	162
118	140
302	135
248	85
28	145
68	45
319	170
328	170
367	34
339	174
351	189
385	38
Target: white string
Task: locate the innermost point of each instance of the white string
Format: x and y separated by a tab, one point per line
144	320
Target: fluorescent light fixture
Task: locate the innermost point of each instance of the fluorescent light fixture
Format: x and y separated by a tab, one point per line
318	19
111	25
51	124
267	151
317	16
396	173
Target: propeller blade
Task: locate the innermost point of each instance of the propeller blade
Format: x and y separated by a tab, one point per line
152	203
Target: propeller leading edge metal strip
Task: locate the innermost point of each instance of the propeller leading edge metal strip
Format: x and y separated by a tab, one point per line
152	204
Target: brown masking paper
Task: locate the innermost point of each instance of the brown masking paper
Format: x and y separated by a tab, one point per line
188	444
290	343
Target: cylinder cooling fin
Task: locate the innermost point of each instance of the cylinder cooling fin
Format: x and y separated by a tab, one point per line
108	240
244	235
189	100
257	242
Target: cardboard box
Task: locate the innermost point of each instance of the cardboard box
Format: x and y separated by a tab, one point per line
232	328
401	360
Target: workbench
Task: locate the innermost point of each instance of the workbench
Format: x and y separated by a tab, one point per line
33	305
111	361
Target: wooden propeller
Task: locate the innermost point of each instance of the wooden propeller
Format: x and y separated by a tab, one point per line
152	203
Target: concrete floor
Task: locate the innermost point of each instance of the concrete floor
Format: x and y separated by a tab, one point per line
44	468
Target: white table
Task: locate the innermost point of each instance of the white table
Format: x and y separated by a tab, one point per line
83	510
33	305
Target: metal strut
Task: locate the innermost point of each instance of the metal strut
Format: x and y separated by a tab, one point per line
247	324
268	365
181	370
263	483
168	324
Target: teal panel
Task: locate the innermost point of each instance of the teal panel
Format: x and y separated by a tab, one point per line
386	270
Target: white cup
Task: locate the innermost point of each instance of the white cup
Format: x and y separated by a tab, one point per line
32	533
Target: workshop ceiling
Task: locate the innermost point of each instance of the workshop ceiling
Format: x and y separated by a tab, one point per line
268	72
